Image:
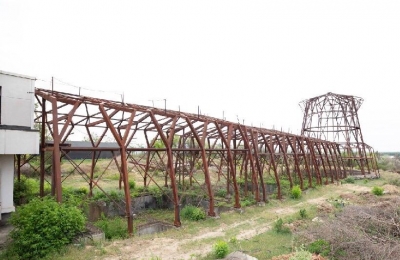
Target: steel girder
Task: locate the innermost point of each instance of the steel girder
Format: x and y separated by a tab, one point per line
183	146
334	117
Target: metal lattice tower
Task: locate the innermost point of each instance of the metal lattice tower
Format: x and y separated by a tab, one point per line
334	117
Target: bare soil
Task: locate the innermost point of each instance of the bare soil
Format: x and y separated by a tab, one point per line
170	248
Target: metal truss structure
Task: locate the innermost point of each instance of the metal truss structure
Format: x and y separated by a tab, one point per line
187	149
334	117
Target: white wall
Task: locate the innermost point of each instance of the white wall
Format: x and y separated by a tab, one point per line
7	183
19	142
17	99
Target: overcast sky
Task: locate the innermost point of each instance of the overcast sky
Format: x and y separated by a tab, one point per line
252	60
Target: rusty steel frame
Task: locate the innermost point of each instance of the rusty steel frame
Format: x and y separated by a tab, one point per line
334	117
237	151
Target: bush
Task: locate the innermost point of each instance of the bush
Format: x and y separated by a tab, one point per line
279	227
44	226
193	213
349	180
301	254
378	191
113	228
296	192
220	249
221	193
26	189
320	246
303	213
132	184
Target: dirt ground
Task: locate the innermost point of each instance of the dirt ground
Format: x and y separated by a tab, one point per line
174	248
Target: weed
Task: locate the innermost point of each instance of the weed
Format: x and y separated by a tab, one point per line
378	191
349	180
301	254
296	192
279	227
233	240
303	213
193	213
221	193
220	249
320	246
132	184
113	228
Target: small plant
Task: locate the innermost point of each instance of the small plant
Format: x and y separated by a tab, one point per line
233	240
296	192
246	203
279	227
221	193
220	249
349	180
43	226
26	189
240	181
303	213
193	213
378	191
113	228
320	246
301	254
132	184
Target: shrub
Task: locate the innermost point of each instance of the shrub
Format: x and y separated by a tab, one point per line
221	193
113	228
132	184
303	213
220	249
378	191
301	254
193	213
247	202
296	192
43	226
349	180
320	246
279	227
25	190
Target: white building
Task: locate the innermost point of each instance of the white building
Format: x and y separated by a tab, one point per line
17	134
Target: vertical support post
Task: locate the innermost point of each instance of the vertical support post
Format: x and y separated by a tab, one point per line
124	165
207	178
42	148
257	162
231	164
56	153
19	167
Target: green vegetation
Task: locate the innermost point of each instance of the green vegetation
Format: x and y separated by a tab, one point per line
378	191
320	246
27	189
113	228
280	228
296	192
43	226
303	213
221	193
220	249
349	180
301	254
190	212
